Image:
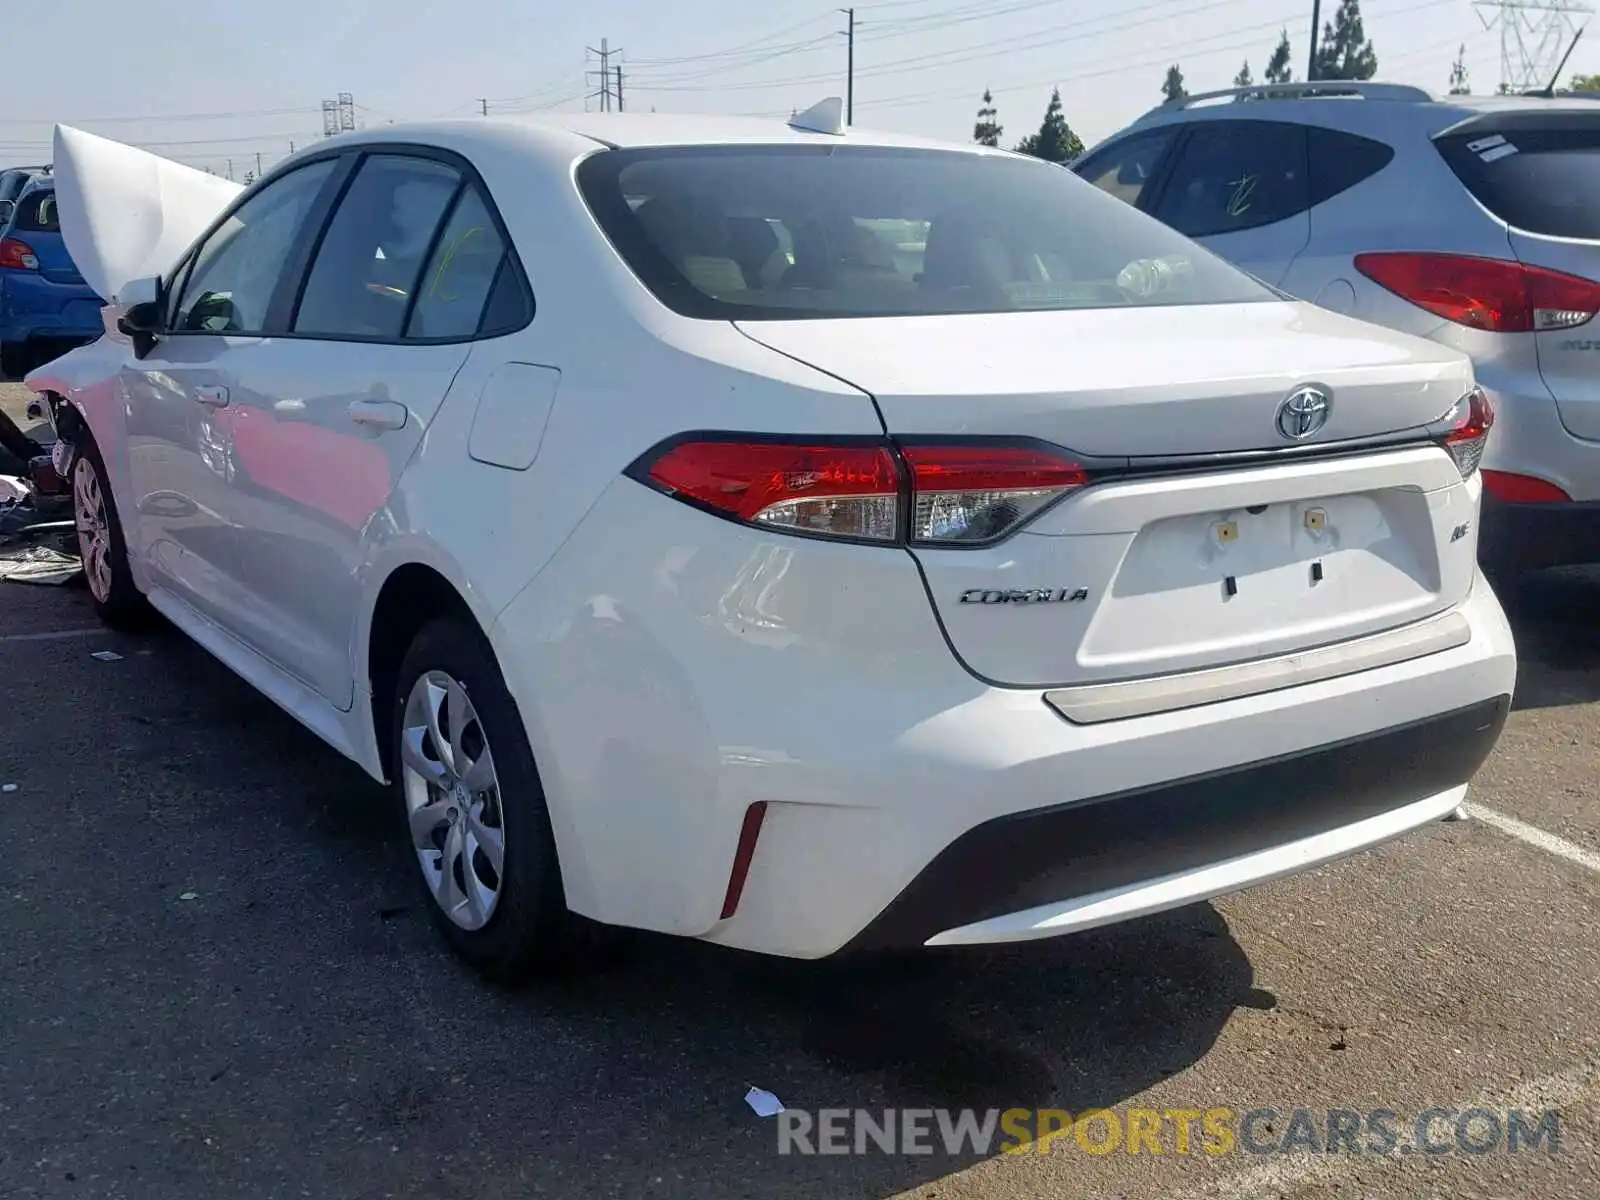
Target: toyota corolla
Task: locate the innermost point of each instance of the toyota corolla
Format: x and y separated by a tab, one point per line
787	536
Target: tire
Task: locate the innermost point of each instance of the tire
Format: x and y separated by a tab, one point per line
525	930
101	544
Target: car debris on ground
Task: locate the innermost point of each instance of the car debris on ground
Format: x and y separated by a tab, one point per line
38	542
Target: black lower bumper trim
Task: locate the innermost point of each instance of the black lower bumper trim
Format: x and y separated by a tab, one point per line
1051	855
1526	537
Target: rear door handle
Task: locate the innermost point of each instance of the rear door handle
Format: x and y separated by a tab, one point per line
212	396
378	414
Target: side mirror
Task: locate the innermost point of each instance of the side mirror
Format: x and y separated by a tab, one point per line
141	318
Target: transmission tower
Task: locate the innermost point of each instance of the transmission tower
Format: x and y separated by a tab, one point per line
338	116
610	77
1534	35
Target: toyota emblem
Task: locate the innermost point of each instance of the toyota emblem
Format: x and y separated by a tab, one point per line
1303	412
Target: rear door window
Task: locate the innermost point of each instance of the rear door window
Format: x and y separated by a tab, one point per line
372	256
1540	180
1234	175
37	213
1126	168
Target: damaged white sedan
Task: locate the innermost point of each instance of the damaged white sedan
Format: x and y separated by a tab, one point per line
781	535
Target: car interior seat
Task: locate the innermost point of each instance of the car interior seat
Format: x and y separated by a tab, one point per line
693	232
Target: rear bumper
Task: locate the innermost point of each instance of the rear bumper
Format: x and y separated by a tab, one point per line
1075	866
663	704
1529	536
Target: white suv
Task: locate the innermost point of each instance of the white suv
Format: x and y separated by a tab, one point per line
1471	221
990	563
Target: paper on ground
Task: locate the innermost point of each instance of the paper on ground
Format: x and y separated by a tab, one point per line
38	564
126	213
763	1104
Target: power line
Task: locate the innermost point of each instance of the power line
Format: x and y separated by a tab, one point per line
730	51
1117	68
1001	46
158	119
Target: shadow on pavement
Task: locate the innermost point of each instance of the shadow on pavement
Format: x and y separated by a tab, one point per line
1555	616
294	1025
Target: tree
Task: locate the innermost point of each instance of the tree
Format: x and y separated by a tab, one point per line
1243	78
988	130
1584	83
1458	73
1278	65
1344	51
1055	142
1173	88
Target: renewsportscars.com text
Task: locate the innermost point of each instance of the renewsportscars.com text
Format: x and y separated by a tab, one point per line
1377	1132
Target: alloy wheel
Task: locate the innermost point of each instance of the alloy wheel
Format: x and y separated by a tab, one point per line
94	528
452	800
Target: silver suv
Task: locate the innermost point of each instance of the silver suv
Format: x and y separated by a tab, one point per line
1471	221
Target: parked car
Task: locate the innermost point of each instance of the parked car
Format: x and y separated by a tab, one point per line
45	305
1063	575
12	181
1467	220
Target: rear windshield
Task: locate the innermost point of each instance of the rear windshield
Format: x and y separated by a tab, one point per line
36	213
1541	180
784	232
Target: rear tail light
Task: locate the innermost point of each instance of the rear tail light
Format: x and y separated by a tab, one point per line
1522	489
930	493
17	255
1468	432
972	494
1485	293
833	490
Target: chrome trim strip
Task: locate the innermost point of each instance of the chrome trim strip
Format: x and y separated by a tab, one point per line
1091	704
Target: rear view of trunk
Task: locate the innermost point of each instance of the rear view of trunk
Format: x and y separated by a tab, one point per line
1103	496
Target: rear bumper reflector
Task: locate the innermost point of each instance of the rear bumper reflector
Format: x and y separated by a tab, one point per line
1090	704
749	831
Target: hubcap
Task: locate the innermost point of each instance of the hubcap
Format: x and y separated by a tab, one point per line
94	534
453	800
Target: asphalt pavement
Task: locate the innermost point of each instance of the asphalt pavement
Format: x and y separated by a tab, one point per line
217	980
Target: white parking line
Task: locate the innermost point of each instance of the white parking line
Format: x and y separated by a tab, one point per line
53	635
1284	1176
1548	842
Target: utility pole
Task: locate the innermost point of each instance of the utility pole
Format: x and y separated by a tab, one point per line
850	67
258	164
1311	65
291	147
230	170
619	87
483	101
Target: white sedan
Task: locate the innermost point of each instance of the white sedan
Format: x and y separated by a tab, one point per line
792	537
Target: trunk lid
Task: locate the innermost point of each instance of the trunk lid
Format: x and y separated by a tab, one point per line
1204	379
1538	171
1167	567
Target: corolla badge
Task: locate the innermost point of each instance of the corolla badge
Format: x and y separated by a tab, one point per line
1303	412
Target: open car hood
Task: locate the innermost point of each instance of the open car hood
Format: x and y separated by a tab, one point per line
126	213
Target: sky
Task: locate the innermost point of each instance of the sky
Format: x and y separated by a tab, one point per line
219	85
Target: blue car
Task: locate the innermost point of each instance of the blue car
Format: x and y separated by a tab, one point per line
45	306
